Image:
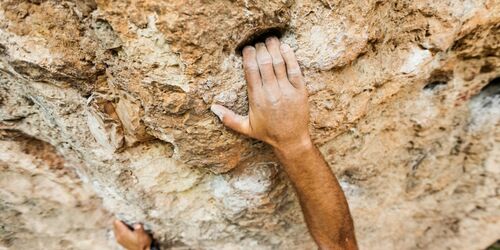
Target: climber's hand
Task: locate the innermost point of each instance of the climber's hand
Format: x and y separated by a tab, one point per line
136	239
278	107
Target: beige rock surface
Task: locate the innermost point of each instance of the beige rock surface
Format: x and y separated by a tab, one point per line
404	98
43	204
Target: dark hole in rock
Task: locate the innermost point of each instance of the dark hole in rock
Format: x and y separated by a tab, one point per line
487	67
37	2
488	93
434	85
115	51
438	79
492	89
259	36
2	49
28	100
494	246
484	106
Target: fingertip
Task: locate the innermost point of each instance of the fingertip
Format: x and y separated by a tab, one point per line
271	39
117	223
230	119
248	49
218	110
259	45
250	57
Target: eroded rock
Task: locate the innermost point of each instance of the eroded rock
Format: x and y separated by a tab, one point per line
401	104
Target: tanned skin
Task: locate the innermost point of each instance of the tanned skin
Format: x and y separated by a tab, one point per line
279	115
132	239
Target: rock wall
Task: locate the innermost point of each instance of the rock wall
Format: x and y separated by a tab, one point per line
43	204
405	106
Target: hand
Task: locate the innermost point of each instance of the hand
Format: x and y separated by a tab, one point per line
278	107
136	239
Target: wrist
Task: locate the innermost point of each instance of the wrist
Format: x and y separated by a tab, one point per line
294	149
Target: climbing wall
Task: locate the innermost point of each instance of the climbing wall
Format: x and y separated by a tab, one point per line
104	111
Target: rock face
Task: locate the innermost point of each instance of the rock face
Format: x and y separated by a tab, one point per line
404	99
43	203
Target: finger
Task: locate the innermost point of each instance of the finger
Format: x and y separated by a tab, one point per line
122	232
232	120
273	46
292	66
265	63
252	74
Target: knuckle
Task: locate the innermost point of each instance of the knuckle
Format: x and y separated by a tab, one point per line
251	66
278	63
265	61
252	72
264	58
271	40
294	72
295	79
280	75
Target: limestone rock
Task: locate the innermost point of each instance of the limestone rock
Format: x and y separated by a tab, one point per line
43	203
404	99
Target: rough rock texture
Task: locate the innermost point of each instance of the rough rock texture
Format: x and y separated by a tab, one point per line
43	204
404	98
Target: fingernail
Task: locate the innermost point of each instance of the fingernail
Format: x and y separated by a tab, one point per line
285	47
248	47
269	39
137	226
218	111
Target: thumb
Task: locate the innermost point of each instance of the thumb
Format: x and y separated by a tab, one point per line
232	120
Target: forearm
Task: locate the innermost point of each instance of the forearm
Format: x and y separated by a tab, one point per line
322	200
